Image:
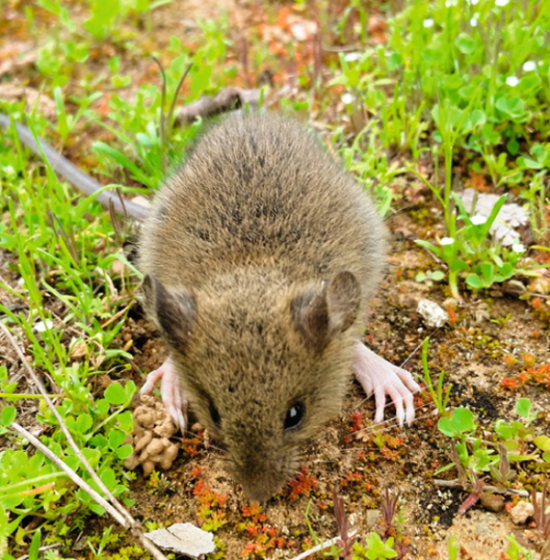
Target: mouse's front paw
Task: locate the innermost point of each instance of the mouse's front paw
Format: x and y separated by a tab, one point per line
378	376
173	396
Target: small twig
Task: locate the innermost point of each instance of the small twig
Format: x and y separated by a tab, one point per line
117	315
458	485
64	428
227	99
321	546
71	474
127	522
42	549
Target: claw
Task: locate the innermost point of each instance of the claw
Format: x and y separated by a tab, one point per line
379	377
173	396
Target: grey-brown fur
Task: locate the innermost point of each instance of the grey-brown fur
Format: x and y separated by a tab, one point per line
261	255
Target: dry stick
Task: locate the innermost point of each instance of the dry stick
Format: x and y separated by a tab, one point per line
126	524
62	425
458	485
71	474
321	546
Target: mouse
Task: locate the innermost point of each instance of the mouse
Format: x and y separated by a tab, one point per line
260	255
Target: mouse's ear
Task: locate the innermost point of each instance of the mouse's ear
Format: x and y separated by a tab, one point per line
174	313
320	315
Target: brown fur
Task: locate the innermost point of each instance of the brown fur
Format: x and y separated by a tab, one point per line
261	256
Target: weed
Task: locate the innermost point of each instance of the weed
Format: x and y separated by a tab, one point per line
439	397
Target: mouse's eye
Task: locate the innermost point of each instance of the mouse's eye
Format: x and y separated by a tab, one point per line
295	416
214	414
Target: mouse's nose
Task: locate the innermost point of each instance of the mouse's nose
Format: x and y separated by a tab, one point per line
261	480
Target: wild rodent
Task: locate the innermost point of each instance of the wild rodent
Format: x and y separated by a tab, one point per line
261	255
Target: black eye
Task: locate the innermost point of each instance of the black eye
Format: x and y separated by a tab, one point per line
214	414
295	416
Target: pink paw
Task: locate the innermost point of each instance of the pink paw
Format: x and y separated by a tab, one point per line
171	392
378	376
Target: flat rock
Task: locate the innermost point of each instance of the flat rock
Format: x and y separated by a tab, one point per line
184	538
432	313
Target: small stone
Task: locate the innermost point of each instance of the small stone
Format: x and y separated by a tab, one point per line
492	502
432	313
521	512
184	538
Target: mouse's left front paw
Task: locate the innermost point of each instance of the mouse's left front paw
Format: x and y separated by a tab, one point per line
378	376
173	396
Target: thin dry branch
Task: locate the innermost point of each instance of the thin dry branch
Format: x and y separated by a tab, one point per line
132	525
458	485
62	425
115	509
321	546
228	99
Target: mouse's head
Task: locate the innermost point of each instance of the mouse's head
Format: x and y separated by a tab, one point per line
264	364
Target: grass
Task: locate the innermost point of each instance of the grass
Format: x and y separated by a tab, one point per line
416	102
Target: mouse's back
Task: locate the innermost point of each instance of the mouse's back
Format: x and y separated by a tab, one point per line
260	189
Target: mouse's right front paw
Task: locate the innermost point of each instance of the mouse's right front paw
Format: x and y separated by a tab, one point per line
173	396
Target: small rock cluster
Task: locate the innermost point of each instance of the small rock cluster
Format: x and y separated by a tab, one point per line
153	427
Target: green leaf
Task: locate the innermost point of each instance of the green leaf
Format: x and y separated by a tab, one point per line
465	44
130	388
542	442
523	407
531	163
102	406
475	281
108	478
438	275
3	528
115	394
475	118
457	265
126	421
420	277
116	438
97	509
514	107
35	545
430	246
8	416
463	419
488	271
120	158
490	135
446	427
83	423
124	452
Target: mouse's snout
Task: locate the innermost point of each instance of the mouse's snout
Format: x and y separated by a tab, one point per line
260	480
